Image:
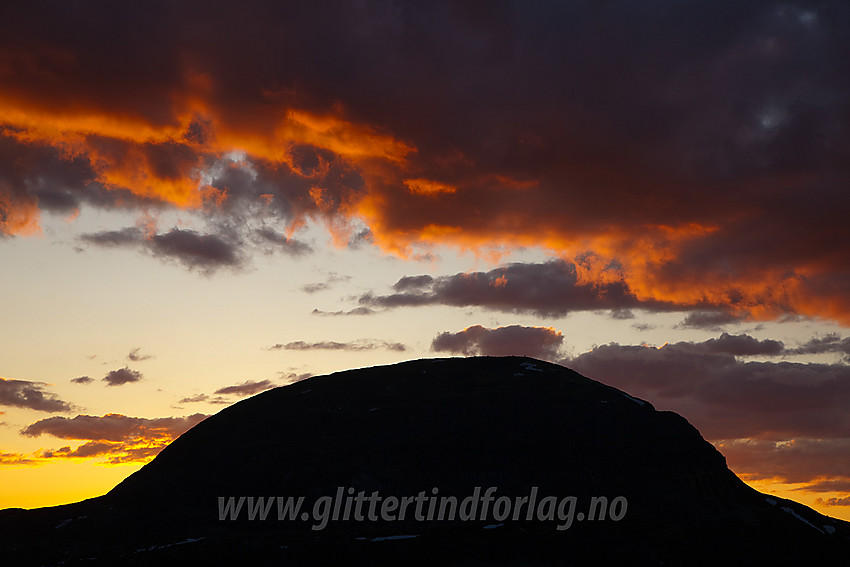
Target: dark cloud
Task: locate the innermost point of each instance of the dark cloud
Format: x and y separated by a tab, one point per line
832	485
413	283
547	289
537	342
834	501
122	376
362	238
194	250
114	453
82	380
111	427
203	252
710	320
727	398
204	398
130	236
246	388
116	437
30	395
327	284
358	345
292	377
193	399
315	287
36	178
831	343
134	355
227	247
355	311
793	461
280	242
88	449
737	345
770	419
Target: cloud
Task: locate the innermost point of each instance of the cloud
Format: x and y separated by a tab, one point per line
322	286
205	398
82	380
315	287
114	437
122	376
794	461
111	427
280	242
360	239
770	419
292	377
703	381
247	388
227	245
699	150
831	485
537	342
709	320
16	459
355	311
548	289
193	250
30	395
358	345
737	345
203	252
834	501
831	343
194	399
134	355
129	236
35	178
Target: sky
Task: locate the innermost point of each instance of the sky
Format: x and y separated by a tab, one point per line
200	201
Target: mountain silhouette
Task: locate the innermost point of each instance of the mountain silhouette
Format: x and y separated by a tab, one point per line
614	482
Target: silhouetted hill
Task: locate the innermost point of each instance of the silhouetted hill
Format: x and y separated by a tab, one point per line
436	430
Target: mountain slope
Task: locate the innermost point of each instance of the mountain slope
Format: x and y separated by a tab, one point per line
439	428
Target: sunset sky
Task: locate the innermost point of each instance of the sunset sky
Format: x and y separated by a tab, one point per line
203	200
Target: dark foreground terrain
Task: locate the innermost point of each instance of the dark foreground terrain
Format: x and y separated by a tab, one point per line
647	488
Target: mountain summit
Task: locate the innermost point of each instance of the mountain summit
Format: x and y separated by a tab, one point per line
461	461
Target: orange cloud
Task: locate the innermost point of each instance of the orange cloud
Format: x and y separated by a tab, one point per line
18	213
167	162
428	187
341	137
17	459
114	437
487	213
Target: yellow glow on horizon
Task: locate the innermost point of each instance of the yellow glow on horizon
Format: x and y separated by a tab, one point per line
59	482
798	493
